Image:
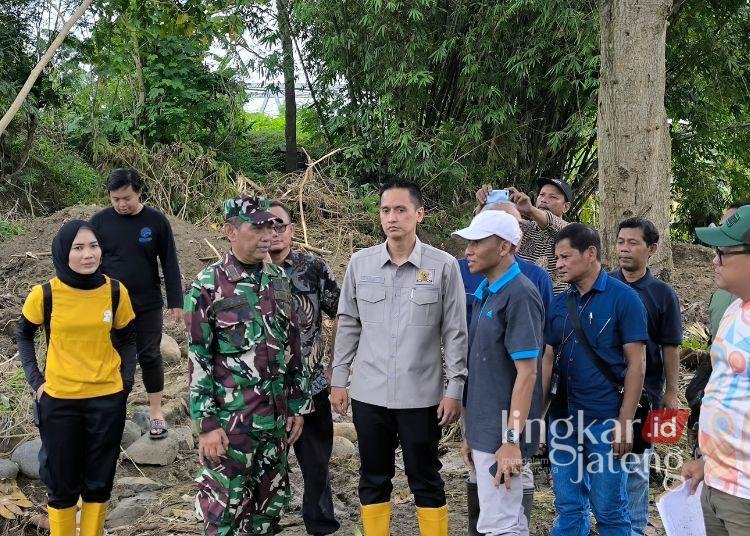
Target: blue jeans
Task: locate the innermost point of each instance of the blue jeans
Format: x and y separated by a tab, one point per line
586	475
638	475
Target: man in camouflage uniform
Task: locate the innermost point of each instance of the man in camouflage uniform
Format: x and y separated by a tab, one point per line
248	385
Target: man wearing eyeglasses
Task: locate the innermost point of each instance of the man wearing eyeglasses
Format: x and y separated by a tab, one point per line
725	409
314	289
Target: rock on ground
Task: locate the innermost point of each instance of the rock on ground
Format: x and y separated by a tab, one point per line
8	469
345	429
142	418
129	510
342	448
130	434
26	456
138	484
147	451
184	436
170	350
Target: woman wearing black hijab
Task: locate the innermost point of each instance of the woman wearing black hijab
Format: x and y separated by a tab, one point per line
80	396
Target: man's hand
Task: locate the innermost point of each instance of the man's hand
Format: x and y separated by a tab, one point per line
467	456
670	400
176	315
522	201
694	471
294	426
482	194
212	445
340	399
509	463
449	410
40	391
622	438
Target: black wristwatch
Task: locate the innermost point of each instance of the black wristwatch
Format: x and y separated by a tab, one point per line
512	436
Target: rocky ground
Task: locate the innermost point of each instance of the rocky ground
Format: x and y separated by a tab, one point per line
154	489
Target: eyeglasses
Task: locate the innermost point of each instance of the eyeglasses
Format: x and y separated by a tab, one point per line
280	227
721	254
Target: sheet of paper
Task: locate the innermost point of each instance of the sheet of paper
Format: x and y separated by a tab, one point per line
681	513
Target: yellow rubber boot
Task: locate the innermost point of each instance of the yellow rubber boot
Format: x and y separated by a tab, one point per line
376	519
433	521
62	521
92	519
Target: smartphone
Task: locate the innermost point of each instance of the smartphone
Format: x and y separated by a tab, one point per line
493	472
498	196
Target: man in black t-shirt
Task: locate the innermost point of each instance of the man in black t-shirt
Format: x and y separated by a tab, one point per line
637	241
134	240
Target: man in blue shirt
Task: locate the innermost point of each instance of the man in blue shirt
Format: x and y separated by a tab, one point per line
637	241
590	428
543	283
502	389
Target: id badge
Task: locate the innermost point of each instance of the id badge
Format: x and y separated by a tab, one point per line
554	383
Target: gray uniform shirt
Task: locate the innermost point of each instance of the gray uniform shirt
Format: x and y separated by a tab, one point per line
392	321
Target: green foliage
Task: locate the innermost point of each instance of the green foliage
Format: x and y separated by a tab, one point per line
9	229
61	176
257	149
708	98
481	91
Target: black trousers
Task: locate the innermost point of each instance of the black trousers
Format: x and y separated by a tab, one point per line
80	447
313	451
148	328
379	432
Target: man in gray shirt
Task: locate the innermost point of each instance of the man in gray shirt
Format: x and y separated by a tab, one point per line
502	391
400	300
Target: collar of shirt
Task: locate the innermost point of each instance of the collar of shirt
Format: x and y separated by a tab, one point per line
495	287
638	283
291	258
600	285
236	271
415	258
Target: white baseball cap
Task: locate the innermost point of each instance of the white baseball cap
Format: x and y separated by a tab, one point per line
492	222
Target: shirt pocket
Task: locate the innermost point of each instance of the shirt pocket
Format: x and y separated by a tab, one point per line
371	303
424	307
233	319
603	333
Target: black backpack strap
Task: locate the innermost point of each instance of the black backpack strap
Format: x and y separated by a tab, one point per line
47	304
603	367
114	286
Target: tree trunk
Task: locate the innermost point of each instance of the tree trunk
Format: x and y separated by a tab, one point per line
36	71
633	134
290	102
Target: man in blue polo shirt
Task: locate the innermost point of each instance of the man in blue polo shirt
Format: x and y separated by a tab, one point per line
502	389
590	421
543	283
637	241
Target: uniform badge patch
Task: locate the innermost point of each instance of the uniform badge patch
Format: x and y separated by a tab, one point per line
425	276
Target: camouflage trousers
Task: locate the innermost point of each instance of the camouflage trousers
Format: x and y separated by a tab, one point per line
245	492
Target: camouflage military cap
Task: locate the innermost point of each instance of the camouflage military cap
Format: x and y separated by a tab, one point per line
249	208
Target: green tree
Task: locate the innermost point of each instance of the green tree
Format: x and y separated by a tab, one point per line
457	93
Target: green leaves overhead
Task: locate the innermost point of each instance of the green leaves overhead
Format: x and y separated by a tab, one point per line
457	92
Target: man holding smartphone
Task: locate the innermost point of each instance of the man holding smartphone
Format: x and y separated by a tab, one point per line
541	221
502	390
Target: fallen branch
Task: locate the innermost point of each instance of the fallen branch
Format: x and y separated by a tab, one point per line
308	247
216	251
32	255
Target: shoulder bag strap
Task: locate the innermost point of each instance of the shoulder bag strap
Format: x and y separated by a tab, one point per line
595	358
